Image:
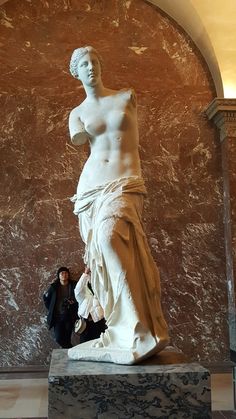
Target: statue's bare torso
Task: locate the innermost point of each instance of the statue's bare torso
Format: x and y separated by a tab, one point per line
110	125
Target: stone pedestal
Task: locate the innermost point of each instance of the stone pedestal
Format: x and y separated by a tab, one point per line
164	386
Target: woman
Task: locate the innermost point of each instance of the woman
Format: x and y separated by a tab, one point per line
62	307
109	203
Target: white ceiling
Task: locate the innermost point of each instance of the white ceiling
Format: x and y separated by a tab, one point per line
212	26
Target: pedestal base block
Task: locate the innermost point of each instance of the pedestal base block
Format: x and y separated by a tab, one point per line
164	386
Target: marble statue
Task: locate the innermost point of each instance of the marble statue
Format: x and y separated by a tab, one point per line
109	203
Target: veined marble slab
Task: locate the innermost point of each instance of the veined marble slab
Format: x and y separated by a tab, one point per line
157	388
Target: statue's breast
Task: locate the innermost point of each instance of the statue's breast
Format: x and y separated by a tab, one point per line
111	120
95	126
112	113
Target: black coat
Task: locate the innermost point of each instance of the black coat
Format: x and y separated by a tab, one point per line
49	298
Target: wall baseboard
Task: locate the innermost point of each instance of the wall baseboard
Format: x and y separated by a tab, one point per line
219	367
29	371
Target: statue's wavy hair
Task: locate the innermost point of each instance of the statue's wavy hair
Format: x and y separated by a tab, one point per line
77	55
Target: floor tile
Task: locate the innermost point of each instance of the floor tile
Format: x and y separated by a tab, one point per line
222	392
26	398
224	415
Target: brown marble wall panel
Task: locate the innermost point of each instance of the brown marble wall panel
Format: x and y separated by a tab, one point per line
180	154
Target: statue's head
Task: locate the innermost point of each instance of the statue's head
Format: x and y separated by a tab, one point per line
78	54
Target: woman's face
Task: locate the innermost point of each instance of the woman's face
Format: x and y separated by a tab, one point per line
64	277
89	69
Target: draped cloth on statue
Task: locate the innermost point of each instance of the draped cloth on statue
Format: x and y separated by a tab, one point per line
124	276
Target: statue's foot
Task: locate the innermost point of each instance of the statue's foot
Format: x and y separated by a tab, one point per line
94	350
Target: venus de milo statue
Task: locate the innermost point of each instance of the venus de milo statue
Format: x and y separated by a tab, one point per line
109	202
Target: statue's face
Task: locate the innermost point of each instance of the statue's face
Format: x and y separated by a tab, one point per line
89	69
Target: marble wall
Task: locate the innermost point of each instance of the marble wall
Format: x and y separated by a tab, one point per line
181	160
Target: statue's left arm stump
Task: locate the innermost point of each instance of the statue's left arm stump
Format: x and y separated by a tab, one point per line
157	388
